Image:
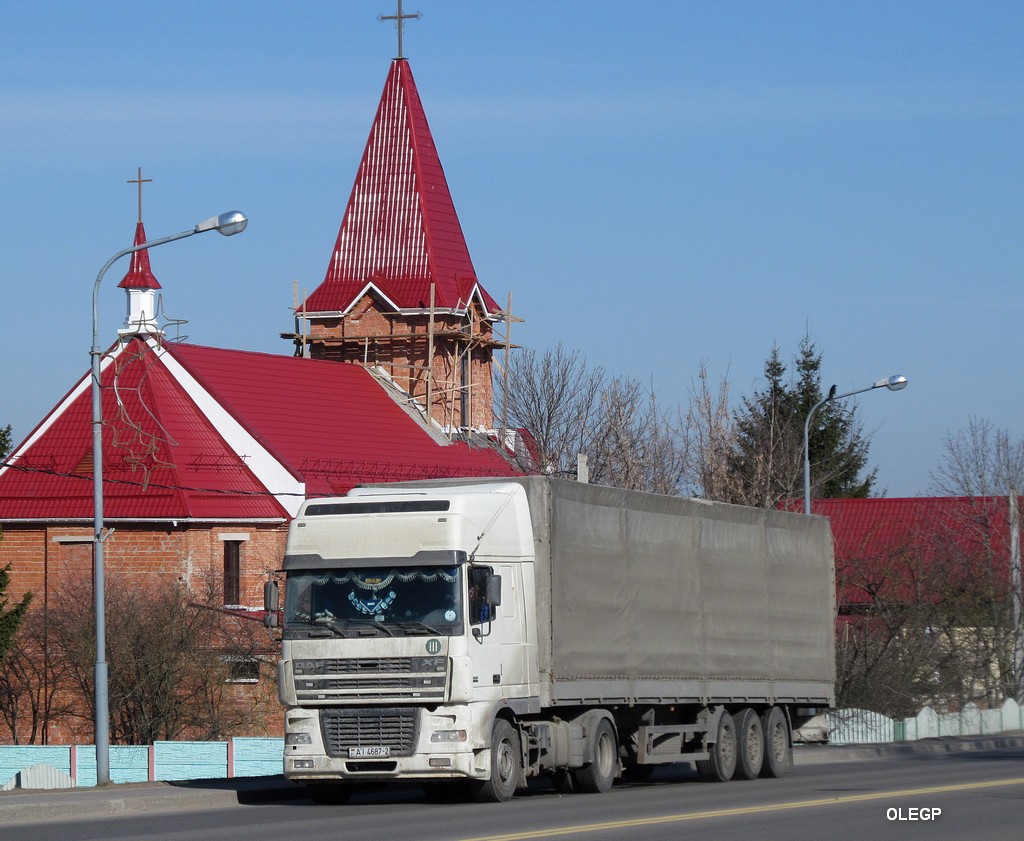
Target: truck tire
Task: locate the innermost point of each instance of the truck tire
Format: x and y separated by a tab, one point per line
329	794
722	764
749	745
506	766
776	743
599	775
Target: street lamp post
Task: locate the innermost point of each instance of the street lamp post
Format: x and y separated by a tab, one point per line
893	383
230	223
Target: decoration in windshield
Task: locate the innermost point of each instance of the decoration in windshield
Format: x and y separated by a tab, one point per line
374	605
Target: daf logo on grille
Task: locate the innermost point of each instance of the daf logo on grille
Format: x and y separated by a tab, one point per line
433	646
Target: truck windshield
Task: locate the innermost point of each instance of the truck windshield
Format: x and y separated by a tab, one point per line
399	601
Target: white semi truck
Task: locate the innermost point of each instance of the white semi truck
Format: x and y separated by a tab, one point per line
470	634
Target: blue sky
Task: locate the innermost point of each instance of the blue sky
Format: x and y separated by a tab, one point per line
658	184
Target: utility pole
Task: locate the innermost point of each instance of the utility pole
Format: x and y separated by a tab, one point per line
1018	600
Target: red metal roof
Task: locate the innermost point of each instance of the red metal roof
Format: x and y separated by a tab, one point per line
898	546
205	433
139	275
331	423
400	230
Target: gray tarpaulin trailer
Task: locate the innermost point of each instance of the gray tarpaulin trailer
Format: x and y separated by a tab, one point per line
646	598
587	632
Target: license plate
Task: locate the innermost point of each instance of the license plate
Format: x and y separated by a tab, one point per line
369	753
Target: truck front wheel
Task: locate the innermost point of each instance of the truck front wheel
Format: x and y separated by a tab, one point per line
506	766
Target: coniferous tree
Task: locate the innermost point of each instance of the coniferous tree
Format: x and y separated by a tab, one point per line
836	443
767	465
766	461
10	618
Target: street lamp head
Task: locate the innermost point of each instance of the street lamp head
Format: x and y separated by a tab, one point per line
893	383
230	223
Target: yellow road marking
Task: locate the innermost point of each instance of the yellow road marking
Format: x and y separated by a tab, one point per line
745	810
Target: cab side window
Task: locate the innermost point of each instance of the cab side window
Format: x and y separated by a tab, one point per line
479	610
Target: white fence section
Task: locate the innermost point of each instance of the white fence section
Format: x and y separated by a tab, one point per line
852	727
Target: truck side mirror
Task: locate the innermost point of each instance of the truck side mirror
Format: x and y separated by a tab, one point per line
492	590
271	603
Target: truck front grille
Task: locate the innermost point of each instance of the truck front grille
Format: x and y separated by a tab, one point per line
365	728
333	681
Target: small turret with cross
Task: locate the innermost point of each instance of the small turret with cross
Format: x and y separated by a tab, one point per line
140	282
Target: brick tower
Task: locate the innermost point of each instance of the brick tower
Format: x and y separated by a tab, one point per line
400	292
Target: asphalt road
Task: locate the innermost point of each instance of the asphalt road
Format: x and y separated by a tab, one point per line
964	793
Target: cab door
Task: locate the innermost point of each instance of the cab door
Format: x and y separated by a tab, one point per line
498	649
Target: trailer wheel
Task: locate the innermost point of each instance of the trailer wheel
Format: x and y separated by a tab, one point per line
598	776
506	766
329	794
749	745
722	764
776	743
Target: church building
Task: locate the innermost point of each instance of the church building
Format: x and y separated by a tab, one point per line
209	452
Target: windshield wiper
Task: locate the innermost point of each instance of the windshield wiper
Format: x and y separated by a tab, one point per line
341	631
416	625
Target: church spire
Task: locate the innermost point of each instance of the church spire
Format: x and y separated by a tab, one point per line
400	233
400	292
140	282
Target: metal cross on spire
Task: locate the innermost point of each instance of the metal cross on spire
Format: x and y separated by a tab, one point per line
140	181
399	20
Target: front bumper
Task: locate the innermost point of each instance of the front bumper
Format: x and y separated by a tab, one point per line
440	746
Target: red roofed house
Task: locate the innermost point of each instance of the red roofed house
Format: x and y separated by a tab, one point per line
208	453
898	548
925	600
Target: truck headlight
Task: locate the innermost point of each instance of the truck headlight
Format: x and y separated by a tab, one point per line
448	736
297	739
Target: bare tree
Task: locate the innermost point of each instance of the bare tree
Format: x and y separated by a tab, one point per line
889	657
172	655
570	408
711	437
980	466
979	461
554	397
30	699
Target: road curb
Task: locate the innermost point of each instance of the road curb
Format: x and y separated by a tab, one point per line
21	806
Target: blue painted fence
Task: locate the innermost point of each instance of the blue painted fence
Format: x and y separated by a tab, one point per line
239	757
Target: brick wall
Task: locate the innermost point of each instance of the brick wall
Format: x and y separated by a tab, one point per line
402	352
44	557
49	559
